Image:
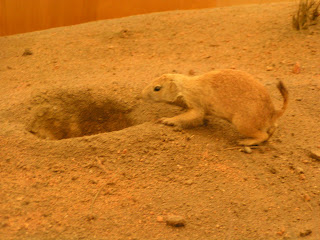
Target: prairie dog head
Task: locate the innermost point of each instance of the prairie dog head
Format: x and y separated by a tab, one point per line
164	89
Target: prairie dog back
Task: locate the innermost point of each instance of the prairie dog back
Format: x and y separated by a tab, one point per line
235	92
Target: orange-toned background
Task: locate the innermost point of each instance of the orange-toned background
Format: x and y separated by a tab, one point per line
18	16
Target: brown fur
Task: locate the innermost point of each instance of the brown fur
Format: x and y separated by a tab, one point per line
230	94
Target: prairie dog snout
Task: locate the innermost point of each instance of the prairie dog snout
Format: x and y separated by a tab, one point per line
230	94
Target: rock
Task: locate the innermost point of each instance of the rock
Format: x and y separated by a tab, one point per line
175	221
191	72
273	170
306	198
188	138
90	217
269	68
188	182
124	33
315	154
302	176
305	233
27	52
299	170
247	150
159	219
296	68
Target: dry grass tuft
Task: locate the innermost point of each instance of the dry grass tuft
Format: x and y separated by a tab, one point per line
306	15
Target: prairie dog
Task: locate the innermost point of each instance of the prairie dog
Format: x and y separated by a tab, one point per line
230	94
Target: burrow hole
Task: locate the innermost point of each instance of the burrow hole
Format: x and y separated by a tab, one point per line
69	115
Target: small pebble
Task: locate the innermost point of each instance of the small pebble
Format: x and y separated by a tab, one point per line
299	170
302	176
159	219
175	221
74	178
306	198
191	72
305	233
188	138
296	68
247	150
188	182
269	68
27	52
90	217
315	154
273	170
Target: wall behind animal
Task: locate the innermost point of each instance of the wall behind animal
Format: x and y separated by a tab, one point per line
18	16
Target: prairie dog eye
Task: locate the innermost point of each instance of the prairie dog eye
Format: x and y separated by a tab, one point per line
157	88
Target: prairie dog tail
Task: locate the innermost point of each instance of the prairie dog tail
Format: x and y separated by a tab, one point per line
284	92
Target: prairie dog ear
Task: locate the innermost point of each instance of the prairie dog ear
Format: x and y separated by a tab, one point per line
173	91
172	85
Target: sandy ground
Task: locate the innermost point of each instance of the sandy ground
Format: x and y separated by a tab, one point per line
125	178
